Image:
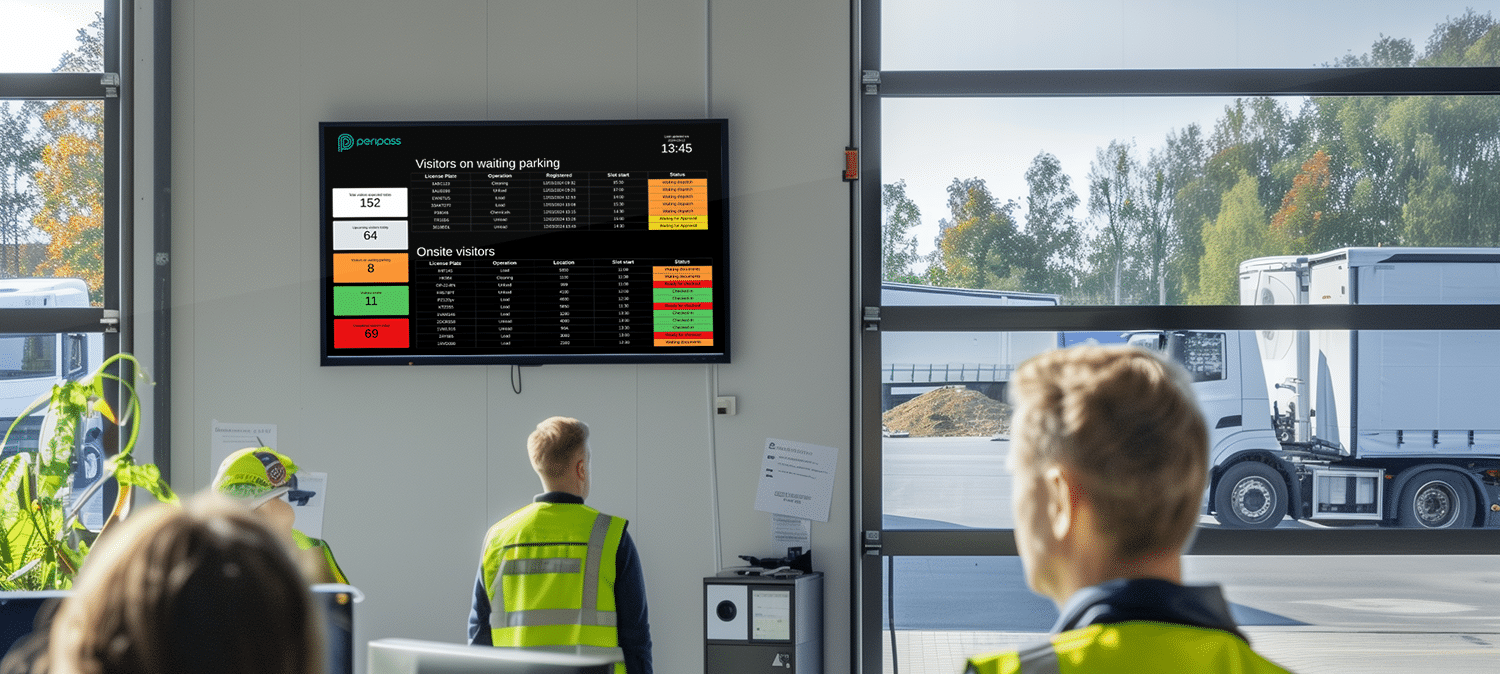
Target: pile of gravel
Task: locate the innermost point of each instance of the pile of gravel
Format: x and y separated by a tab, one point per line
949	412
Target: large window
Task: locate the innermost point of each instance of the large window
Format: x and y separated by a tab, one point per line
60	216
1299	202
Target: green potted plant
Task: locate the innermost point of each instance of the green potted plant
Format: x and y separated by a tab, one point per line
45	542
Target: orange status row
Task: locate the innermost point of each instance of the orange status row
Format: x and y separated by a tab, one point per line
682	273
370	268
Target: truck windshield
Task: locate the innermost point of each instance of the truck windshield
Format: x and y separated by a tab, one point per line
1202	353
27	356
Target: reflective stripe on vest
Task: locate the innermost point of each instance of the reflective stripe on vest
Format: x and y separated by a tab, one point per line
1131	648
587	613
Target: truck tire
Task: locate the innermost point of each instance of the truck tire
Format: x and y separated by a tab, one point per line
1251	495
1436	499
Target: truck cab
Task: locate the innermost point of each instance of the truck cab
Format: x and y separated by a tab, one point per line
31	363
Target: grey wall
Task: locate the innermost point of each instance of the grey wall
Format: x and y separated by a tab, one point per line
422	460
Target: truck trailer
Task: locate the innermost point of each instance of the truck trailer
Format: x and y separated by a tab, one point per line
1390	427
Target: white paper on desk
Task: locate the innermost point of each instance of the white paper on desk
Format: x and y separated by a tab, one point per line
790	532
310	517
226	438
796	479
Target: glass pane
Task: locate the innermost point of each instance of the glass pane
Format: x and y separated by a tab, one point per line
1138	34
1387	613
30	364
35	35
949	608
51	203
1307	429
1138	201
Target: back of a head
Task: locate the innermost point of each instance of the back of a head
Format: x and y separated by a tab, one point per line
1127	422
555	444
202	588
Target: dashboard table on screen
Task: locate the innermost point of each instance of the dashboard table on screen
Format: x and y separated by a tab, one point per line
524	242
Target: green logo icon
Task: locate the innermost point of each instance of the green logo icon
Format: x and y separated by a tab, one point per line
346	141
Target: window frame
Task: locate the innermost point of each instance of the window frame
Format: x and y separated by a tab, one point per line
870	85
113	87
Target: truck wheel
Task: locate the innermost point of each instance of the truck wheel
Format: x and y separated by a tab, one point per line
1437	499
1251	495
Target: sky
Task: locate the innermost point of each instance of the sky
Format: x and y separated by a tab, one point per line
930	142
34	34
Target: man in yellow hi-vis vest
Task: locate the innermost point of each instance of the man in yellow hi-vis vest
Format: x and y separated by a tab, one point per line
558	574
1109	457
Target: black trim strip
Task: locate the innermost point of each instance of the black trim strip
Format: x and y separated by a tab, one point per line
1107	318
1235	82
1363	541
51	86
52	319
161	238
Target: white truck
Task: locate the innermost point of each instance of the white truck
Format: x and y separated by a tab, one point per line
1392	427
31	363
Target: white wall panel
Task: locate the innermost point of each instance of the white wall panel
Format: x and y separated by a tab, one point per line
423	460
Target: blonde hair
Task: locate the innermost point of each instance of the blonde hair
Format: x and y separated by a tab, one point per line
205	588
556	444
1125	421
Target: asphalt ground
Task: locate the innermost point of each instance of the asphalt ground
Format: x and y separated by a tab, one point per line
1318	613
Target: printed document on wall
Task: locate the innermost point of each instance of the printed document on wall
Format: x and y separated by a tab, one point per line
226	438
307	502
796	479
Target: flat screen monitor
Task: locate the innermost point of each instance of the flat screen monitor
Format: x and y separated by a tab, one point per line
337	603
19	611
411	656
524	242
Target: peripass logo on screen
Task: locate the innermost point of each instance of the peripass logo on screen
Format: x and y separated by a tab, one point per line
347	141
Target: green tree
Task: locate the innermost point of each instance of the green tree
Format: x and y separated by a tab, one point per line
898	247
1111	201
20	155
1194	202
1238	234
1046	251
972	247
1452	41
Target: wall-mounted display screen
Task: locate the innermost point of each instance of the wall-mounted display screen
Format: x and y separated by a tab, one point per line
524	242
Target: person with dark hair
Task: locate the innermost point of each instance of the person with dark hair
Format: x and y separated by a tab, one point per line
558	574
206	588
1109	458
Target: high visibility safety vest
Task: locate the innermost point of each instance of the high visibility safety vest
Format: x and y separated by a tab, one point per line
550	570
1136	647
305	542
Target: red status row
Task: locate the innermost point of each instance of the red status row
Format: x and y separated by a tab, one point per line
365	333
706	283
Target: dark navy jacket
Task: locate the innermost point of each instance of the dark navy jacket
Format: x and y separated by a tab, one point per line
1126	599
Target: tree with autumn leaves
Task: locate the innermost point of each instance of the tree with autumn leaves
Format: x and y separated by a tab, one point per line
52	179
70	180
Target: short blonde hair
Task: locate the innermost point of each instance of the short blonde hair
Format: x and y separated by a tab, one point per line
556	444
202	588
1126	421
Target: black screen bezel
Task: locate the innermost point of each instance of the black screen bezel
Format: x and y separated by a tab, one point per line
718	192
